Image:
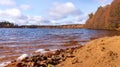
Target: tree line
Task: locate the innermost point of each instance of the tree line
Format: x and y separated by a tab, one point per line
7	24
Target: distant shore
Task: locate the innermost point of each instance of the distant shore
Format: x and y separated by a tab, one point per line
7	24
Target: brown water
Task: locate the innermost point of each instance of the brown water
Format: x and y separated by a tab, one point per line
15	41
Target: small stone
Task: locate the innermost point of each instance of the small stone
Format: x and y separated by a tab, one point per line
75	61
42	64
50	65
57	52
19	65
70	55
103	48
47	49
49	54
45	58
13	61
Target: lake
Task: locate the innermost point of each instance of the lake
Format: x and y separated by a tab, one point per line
17	41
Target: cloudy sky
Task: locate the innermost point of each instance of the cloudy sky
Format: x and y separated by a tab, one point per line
48	12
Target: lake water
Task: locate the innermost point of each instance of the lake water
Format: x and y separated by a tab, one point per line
17	41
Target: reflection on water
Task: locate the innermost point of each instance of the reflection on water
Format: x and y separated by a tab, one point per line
16	41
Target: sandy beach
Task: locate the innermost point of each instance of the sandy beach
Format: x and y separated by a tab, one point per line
102	52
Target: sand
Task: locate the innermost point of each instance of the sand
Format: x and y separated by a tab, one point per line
103	52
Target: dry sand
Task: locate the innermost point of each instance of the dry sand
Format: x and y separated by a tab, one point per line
103	52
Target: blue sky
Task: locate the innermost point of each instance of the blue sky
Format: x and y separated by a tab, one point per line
48	12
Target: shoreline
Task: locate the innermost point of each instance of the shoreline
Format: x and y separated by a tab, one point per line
44	58
105	50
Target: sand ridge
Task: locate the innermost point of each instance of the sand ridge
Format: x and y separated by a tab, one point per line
103	52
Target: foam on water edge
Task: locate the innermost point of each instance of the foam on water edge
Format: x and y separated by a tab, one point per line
4	63
23	56
43	51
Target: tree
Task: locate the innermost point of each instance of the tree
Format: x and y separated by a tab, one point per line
90	15
6	24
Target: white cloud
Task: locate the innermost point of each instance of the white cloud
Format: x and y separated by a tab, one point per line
14	13
32	20
17	17
7	2
62	10
25	7
103	2
61	13
81	17
36	18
